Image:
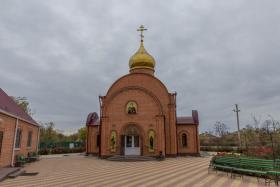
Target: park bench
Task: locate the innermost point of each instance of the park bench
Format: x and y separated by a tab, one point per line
256	167
273	175
260	168
225	163
20	161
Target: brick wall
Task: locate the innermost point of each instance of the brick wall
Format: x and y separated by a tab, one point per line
92	147
192	141
155	112
8	125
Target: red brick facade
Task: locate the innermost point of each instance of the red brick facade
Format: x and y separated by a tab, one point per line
155	114
138	116
9	121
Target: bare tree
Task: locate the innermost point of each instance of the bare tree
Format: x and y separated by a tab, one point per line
220	128
270	128
256	121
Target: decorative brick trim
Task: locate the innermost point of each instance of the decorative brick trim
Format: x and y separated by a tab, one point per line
145	74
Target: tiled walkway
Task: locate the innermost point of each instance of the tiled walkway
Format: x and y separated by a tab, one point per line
90	171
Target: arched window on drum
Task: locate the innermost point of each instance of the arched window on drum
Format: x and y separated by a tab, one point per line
184	140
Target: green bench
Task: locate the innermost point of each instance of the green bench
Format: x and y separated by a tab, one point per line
267	169
273	175
252	166
223	163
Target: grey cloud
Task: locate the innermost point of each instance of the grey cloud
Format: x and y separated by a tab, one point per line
62	55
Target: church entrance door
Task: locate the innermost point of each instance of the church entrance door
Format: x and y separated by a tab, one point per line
132	145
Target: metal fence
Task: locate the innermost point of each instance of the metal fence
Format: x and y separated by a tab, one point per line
64	144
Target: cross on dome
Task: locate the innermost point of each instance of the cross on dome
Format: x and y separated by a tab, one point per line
142	60
141	30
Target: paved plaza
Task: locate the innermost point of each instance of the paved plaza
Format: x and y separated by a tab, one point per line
91	171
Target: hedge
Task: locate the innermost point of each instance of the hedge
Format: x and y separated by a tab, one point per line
60	150
219	149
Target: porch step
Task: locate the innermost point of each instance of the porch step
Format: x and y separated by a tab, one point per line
6	171
130	158
17	173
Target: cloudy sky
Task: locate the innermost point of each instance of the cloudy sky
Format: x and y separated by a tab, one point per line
62	54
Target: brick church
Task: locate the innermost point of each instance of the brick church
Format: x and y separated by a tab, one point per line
138	116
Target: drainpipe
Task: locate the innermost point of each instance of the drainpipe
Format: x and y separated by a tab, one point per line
177	138
87	135
164	124
101	104
38	139
14	144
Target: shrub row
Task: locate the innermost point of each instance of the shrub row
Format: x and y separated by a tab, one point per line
61	150
219	149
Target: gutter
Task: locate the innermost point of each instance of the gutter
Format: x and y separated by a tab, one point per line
197	139
164	127
14	144
101	104
38	139
176	133
87	139
14	116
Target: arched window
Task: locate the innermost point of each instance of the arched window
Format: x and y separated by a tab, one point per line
184	140
151	141
113	141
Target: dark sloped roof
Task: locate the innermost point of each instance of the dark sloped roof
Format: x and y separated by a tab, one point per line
92	119
185	120
96	123
8	105
189	119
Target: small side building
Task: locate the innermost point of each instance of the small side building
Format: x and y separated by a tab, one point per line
188	135
93	134
19	133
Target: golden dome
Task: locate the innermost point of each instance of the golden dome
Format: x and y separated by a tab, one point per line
141	59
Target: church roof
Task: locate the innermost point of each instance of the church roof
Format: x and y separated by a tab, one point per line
142	59
185	120
92	119
8	105
97	123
